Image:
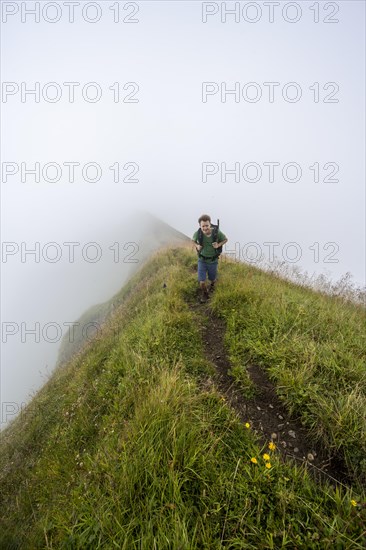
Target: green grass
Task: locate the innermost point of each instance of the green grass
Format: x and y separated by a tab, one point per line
122	449
313	348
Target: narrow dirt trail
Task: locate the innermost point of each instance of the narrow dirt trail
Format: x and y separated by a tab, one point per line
265	413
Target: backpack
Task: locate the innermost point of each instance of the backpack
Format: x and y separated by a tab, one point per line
215	232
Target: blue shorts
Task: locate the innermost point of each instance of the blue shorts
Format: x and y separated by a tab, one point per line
209	267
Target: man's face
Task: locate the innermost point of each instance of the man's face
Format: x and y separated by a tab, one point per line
206	228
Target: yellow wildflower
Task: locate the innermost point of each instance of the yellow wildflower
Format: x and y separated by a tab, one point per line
268	465
254	460
354	503
266	457
272	446
247	425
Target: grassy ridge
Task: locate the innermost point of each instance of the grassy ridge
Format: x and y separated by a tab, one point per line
124	450
312	346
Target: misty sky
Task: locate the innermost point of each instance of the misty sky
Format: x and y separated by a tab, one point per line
172	131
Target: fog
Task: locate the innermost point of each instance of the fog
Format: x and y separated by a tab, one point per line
259	124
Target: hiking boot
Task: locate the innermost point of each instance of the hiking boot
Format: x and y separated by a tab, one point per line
204	295
212	287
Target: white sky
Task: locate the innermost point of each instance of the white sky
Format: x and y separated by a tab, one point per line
169	133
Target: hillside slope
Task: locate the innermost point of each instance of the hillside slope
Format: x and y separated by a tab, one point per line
127	447
151	234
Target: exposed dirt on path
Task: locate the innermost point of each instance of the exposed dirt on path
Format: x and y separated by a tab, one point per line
265	413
